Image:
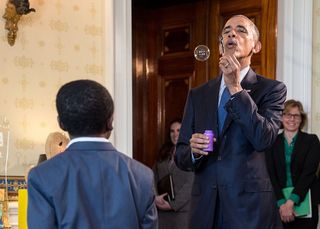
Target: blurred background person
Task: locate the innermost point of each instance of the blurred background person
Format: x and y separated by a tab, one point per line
292	162
173	214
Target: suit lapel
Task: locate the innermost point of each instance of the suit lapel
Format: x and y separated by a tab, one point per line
249	81
296	148
211	103
248	84
280	156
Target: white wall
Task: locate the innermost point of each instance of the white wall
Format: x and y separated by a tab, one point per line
60	42
122	54
316	69
294	50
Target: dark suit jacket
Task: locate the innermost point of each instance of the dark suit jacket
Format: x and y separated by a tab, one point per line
236	170
304	162
91	185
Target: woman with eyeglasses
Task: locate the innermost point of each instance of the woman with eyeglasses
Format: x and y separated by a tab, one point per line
292	163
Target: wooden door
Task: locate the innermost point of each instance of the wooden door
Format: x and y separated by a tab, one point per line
165	34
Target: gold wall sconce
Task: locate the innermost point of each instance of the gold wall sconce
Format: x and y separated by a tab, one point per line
13	12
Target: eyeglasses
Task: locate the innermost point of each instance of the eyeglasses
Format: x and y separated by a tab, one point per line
290	116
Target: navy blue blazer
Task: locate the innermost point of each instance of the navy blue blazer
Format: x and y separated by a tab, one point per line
235	171
91	185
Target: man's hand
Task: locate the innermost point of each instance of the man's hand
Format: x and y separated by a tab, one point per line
162	203
286	211
198	142
231	67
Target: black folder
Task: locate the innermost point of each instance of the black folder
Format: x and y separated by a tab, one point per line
165	185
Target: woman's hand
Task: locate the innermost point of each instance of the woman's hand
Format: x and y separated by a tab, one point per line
286	211
162	204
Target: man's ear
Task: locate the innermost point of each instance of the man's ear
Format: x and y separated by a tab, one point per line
257	47
61	124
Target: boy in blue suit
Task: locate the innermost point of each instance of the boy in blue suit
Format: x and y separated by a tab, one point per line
91	184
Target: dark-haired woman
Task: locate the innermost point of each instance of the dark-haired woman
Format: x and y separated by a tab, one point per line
173	214
292	163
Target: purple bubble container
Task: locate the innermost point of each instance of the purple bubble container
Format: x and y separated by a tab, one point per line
209	133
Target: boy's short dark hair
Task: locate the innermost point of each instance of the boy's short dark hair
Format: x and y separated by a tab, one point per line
84	107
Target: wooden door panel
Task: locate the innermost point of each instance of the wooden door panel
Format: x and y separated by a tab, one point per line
174	91
176	39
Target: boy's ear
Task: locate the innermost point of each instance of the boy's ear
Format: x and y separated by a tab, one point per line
109	126
61	124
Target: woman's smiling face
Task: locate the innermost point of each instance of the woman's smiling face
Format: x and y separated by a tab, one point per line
291	119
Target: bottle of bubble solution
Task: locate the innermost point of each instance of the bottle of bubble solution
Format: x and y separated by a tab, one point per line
210	135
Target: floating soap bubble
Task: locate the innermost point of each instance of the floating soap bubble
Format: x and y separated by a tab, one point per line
202	53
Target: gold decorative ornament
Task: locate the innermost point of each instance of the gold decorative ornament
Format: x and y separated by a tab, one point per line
13	12
4	199
5	209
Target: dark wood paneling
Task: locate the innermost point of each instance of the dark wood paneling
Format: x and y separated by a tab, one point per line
174	91
232	7
269	38
176	66
176	40
156	4
166	72
139	82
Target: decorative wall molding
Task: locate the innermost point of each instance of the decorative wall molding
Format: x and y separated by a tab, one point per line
121	70
316	70
294	50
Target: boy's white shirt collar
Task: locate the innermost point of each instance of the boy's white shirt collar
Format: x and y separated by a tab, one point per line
87	139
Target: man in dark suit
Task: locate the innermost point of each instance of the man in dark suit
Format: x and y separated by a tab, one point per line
91	184
232	188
